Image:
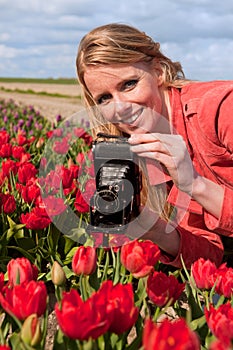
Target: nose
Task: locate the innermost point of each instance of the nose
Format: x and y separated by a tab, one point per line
117	111
122	110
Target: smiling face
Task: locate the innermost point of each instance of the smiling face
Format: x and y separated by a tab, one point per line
128	95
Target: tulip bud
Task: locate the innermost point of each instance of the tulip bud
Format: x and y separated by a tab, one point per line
57	274
40	142
84	261
31	331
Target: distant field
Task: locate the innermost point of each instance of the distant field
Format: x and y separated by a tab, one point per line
40	80
50	96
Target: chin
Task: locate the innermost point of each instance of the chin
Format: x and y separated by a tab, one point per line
130	129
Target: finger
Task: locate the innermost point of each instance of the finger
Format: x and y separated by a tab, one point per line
150	147
165	159
145	138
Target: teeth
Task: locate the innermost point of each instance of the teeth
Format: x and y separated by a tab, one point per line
134	117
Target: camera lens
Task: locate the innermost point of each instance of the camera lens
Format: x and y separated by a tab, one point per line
106	201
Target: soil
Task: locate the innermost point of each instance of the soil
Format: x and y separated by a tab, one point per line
37	95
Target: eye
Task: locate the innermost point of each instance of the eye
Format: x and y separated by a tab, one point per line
129	84
104	98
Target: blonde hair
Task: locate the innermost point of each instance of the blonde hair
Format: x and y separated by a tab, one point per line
123	44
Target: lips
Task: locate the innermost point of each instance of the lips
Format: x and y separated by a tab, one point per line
132	117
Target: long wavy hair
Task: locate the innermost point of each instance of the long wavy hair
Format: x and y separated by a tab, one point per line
123	44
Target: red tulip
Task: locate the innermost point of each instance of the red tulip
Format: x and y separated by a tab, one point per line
5	150
66	176
7	203
4	137
202	271
18	151
4	347
25	299
84	261
223	278
37	219
1	281
21	139
169	335
162	289
80	319
9	166
218	345
51	183
140	257
53	205
80	158
26	171
220	322
25	158
20	270
80	203
30	192
89	191
61	147
120	299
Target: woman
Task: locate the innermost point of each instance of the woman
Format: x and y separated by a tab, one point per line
120	69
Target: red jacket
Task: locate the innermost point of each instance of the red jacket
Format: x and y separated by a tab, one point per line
203	115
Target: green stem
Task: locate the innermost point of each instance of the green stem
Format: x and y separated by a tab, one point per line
83	286
156	314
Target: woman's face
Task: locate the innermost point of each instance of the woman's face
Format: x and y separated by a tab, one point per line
129	96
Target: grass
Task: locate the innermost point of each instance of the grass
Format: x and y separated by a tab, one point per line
41	93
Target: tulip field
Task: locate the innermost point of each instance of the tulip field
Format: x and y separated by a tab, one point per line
106	298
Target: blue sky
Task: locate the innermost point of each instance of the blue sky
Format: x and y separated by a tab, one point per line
40	38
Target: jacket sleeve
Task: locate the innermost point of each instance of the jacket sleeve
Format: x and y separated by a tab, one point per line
224	224
224	132
196	241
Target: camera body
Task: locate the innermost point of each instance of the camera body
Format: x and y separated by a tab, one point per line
118	182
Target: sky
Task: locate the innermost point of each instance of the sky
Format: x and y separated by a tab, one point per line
39	38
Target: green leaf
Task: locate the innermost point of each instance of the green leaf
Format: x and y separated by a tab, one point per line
14	230
68	272
194	303
59	341
23	252
94	281
26	243
70	255
15	341
140	293
53	238
198	323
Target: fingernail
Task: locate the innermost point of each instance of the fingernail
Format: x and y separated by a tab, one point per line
131	138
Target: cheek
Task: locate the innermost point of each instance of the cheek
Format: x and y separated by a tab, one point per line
149	96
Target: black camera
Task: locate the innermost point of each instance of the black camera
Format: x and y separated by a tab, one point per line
118	182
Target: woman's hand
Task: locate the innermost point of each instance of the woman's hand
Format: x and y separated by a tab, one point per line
171	151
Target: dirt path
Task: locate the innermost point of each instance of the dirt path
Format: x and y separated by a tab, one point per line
49	106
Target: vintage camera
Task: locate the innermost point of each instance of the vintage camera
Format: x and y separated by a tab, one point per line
118	182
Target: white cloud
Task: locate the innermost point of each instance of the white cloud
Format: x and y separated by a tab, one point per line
40	37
